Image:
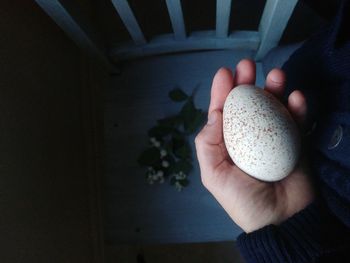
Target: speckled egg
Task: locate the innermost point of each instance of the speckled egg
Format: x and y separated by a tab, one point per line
260	135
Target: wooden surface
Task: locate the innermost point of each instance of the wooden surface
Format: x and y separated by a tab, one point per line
273	22
223	12
219	39
135	211
129	20
196	41
73	21
176	18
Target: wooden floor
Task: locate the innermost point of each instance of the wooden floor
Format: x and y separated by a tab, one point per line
218	252
135	212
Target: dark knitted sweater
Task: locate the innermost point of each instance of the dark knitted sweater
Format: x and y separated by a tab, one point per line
320	232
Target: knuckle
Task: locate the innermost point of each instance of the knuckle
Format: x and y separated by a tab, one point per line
198	138
205	182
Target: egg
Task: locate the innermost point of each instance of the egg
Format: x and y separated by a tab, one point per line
260	135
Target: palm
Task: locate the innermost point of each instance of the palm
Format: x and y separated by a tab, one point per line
245	199
251	203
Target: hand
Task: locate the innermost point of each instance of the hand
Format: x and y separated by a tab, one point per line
251	203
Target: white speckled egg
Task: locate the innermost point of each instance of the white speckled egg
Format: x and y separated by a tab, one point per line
260	135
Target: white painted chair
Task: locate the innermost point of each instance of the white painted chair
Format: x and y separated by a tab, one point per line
272	24
135	212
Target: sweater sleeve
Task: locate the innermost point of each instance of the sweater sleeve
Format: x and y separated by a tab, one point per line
307	236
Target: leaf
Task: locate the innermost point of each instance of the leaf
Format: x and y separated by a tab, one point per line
188	109
159	131
149	157
184	182
177	95
196	122
188	113
193	118
178	141
183	152
172	121
168	146
178	135
181	166
185	166
172	180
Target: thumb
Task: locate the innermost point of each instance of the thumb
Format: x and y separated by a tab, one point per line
208	142
212	131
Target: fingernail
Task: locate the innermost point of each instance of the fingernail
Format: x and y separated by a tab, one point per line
212	118
276	78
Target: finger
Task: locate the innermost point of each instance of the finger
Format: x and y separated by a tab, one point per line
221	87
275	82
212	131
245	72
224	82
208	143
297	106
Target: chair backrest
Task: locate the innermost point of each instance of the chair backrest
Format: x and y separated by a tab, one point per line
272	24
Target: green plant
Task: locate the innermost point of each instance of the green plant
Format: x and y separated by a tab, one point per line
169	155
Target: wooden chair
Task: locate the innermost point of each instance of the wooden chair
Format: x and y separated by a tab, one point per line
133	208
272	24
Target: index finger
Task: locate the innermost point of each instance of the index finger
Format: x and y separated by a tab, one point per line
221	87
224	81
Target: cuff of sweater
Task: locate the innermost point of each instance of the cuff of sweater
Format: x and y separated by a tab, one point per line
302	238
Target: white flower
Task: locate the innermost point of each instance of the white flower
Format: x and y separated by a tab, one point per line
155	177
161	180
160	174
180	176
154	142
178	186
165	164
150	172
150	179
163	153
